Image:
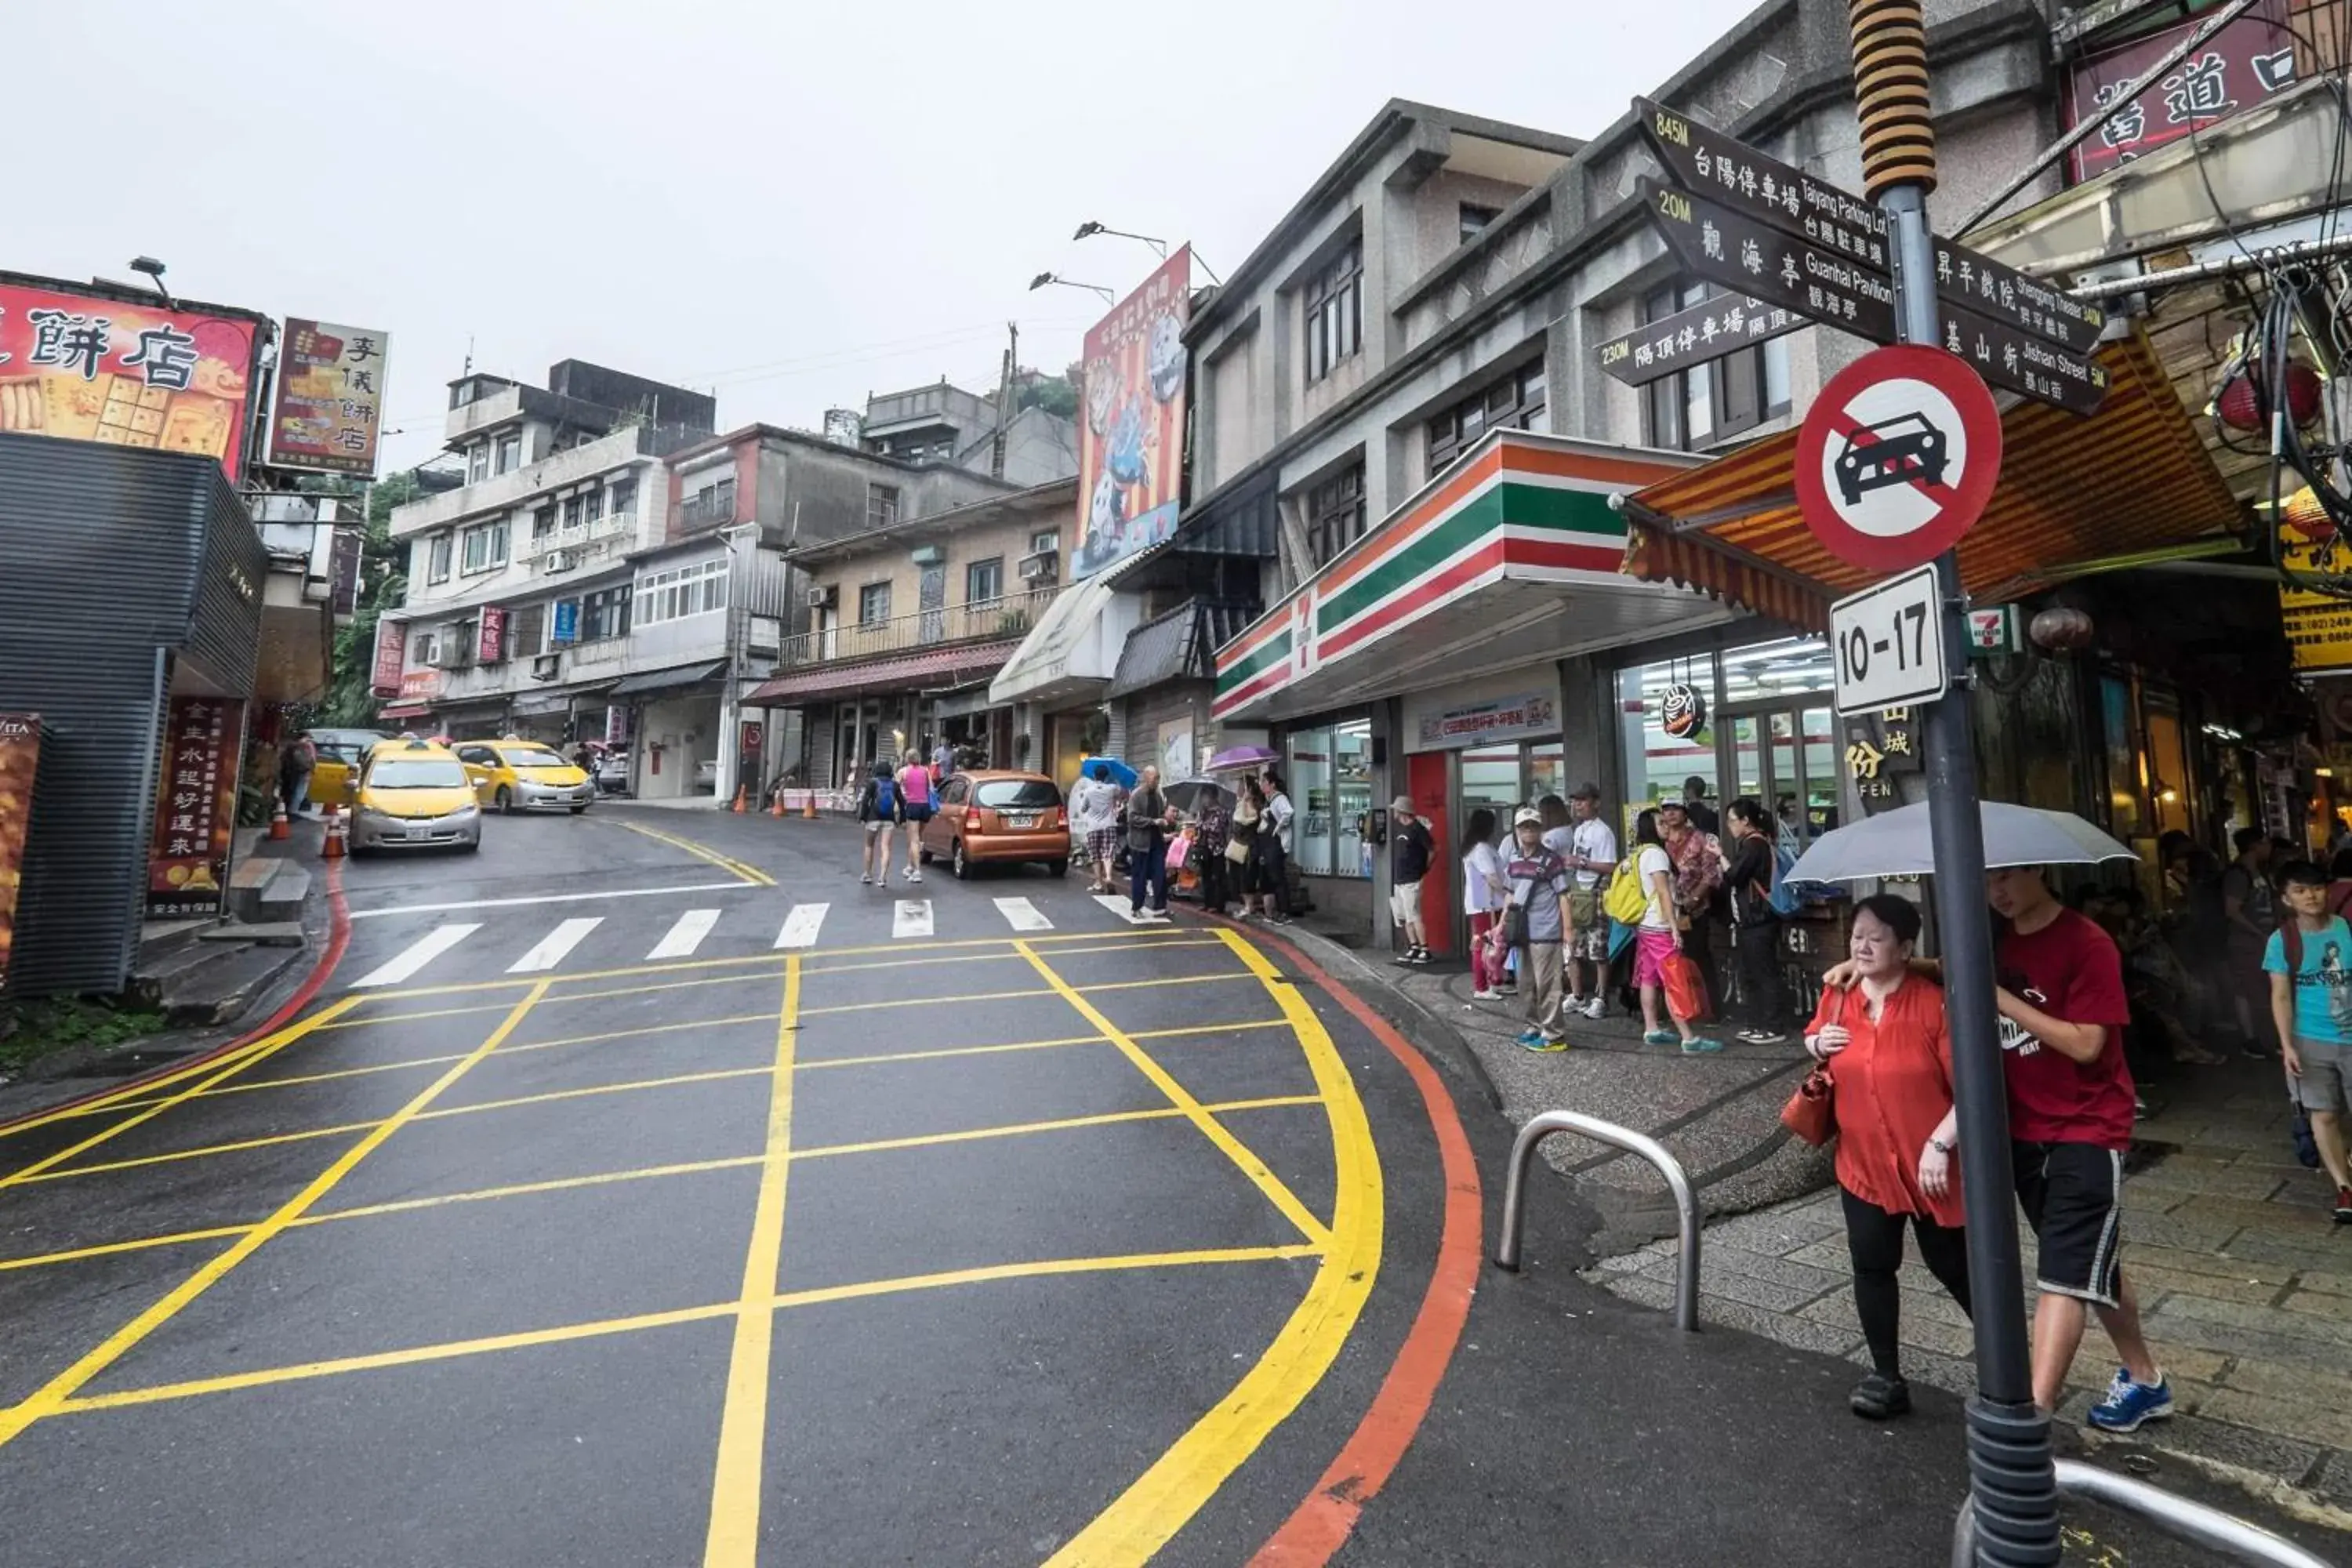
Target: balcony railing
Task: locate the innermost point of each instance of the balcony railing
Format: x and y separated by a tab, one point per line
985	621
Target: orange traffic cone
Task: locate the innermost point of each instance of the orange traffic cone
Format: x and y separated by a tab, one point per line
776	806
279	827
738	807
808	806
334	847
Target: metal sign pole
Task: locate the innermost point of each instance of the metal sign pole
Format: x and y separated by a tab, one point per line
2014	1489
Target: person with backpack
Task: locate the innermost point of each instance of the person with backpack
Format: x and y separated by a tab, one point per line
915	808
877	811
2309	962
1755	877
1535	922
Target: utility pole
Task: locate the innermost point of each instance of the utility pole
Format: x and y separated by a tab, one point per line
2014	1489
1004	399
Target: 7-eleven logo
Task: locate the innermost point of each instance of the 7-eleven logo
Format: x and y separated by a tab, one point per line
1302	634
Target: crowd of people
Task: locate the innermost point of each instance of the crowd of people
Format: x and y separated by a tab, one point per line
1236	839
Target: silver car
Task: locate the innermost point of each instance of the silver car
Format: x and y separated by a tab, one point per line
412	795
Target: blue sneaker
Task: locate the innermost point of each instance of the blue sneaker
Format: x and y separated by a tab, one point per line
2128	1406
1701	1045
1535	1040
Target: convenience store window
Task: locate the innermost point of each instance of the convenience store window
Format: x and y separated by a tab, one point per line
1330	779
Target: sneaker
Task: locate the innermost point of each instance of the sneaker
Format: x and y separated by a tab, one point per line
1416	955
1660	1038
1700	1045
865	878
1536	1040
1283	919
2128	1406
914	876
1485	996
1596	1008
1574	1004
2344	1205
1763	1038
1879	1397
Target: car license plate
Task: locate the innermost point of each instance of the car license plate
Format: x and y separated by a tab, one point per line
1020	822
419	830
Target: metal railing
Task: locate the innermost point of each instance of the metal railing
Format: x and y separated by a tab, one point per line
1008	616
2175	1516
1523	1152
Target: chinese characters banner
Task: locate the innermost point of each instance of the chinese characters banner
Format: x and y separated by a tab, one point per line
391	658
195	809
132	375
1131	430
490	643
20	756
330	403
2318	626
2234	70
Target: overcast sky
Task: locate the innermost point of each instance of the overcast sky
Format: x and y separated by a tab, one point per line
788	203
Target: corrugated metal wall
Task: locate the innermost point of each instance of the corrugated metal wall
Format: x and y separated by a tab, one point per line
102	550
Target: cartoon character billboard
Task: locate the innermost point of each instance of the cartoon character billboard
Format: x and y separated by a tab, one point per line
91	368
1131	429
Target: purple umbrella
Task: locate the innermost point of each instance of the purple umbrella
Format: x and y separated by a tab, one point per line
1233	758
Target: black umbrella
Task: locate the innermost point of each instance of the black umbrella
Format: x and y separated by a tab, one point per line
1188	796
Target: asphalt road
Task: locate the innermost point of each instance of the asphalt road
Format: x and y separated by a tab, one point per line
644	1190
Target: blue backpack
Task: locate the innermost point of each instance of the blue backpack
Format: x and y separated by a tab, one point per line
886	802
1784	897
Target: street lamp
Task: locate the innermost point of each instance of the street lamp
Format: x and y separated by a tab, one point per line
1090	228
1045	278
154	271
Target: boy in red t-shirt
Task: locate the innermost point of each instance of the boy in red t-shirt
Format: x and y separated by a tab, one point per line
2063	1013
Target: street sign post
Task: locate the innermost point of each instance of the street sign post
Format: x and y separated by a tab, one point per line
1737	251
1887	644
1898	456
2021	362
1692	337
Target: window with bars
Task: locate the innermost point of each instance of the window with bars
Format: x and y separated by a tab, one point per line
485	546
873	604
1516	401
1335	311
605	614
1335	514
881	505
1716	400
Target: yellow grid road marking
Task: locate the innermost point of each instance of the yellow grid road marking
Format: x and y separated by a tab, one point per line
819	1296
52	1394
735	867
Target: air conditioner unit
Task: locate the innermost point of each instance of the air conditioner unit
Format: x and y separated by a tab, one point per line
1043	567
546	666
821	598
454	652
559	560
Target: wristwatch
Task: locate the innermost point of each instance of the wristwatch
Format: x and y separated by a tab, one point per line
1940	1147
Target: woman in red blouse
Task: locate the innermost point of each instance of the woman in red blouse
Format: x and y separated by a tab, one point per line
1884	1044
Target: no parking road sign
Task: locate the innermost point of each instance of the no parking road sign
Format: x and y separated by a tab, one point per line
1898	456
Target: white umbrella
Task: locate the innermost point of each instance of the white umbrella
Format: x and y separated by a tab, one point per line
1897	844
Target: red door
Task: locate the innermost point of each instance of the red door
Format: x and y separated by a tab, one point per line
1426	785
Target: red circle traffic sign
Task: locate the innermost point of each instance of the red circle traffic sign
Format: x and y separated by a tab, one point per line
1898	456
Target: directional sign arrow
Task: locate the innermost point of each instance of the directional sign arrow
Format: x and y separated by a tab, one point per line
1706	331
2020	361
1727	247
1975	281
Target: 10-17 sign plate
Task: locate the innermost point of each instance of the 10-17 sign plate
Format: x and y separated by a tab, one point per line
1898	457
1887	645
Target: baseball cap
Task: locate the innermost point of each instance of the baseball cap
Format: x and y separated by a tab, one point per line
1587	790
1525	815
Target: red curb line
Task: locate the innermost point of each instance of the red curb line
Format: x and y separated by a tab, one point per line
1323	1521
339	935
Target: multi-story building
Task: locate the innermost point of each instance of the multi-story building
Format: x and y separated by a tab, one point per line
944	424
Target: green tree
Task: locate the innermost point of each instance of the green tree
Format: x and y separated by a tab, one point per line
1053	394
383	583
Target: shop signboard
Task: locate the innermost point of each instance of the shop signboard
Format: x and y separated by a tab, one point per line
567	624
195	807
1879	749
1176	749
81	366
1898	457
1131	427
2318	626
490	639
20	760
329	408
2020	361
1692	337
391	658
2237	68
343	577
416	685
1517	717
1993	631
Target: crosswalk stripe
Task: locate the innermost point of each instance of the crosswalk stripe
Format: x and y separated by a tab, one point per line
551	948
1025	915
1117	904
418	954
911	918
687	935
801	926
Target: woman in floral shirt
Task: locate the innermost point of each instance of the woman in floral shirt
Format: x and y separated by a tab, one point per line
1212	829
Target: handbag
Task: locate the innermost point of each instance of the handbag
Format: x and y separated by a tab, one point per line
1685	987
1514	925
1812	1111
1237	850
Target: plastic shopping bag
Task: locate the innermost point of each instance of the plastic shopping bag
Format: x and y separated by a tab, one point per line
1686	988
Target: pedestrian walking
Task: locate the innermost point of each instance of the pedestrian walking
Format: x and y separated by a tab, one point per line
1660	937
1270	867
1149	818
2309	961
1484	892
1754	873
1411	850
1094	817
943	760
1887	1051
877	813
2249	911
1535	922
296	761
1591	854
915	797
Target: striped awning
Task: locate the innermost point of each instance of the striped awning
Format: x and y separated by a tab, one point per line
2075	493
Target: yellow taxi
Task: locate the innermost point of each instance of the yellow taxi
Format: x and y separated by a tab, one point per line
413	794
523	775
341	752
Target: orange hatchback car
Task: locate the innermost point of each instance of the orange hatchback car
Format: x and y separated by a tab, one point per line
985	818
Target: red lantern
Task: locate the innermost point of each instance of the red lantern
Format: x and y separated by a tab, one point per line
2061	630
2240	409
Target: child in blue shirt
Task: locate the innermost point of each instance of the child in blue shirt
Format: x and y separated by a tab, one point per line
2309	961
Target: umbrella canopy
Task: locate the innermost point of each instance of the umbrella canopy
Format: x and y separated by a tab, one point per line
1897	844
1188	796
1120	774
1233	759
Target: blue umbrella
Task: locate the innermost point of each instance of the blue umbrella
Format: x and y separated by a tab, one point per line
1120	774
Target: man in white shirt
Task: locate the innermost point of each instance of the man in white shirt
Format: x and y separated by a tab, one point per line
1591	856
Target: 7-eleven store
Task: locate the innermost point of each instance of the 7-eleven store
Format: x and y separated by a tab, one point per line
1446	656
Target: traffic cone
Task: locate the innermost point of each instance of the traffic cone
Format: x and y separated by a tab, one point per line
738	807
334	847
808	806
279	827
776	806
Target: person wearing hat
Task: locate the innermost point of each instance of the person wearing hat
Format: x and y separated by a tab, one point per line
1539	906
1410	850
1591	857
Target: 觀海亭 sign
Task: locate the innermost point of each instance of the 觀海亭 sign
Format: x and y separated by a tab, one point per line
1693	336
1898	456
1737	251
1503	718
1886	645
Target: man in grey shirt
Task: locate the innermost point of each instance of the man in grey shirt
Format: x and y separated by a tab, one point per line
1148	815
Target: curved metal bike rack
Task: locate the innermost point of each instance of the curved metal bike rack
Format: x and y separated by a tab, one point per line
1523	1151
2176	1515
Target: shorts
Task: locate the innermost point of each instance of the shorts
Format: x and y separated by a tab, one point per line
916	811
877	826
1589	943
2326	1074
1102	845
1652	948
2073	1195
1404	902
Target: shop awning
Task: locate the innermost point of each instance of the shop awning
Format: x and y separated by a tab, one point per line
940	666
2075	494
1073	650
401	713
1507	558
667	680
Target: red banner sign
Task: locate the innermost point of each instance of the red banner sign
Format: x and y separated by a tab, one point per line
391	658
330	401
20	758
92	369
195	809
1131	429
490	647
2234	70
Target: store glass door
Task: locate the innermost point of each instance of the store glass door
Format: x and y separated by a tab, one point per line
1786	757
